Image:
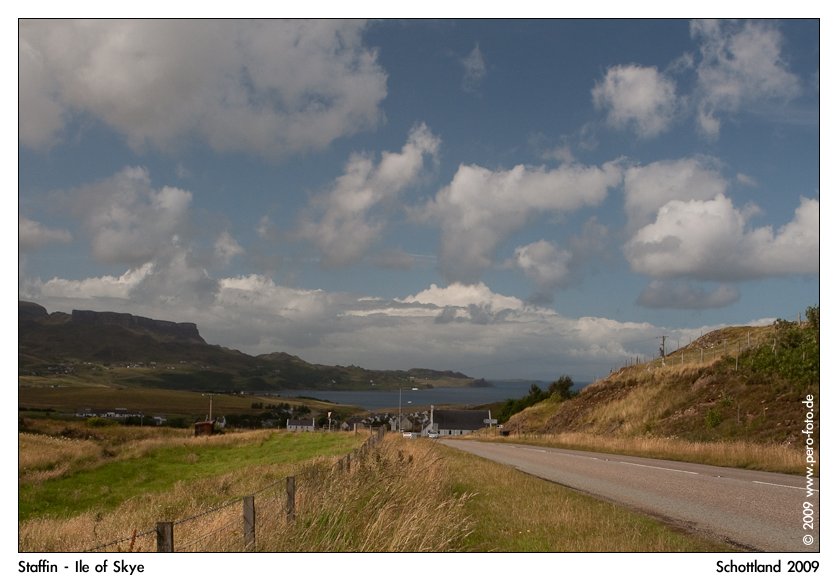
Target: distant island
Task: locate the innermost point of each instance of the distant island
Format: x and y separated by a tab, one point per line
480	383
127	350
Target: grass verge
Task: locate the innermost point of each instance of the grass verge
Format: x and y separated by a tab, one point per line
401	496
732	454
515	512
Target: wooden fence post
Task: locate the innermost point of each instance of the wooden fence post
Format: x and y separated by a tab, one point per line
291	491
249	515
165	537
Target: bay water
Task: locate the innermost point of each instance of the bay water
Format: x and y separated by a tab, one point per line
381	399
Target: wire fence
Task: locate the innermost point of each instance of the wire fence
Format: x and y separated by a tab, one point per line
240	523
686	356
707	350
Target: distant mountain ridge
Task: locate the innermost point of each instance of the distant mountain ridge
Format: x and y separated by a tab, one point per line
126	340
179	332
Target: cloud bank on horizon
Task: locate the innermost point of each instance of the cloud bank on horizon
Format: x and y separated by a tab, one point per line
506	198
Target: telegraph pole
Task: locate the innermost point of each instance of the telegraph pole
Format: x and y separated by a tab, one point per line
209	418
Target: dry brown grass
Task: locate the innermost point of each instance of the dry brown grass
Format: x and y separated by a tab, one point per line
60	447
207	514
383	503
42	457
89	530
516	512
402	496
738	454
397	499
705	412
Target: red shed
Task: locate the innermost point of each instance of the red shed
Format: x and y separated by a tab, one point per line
203	428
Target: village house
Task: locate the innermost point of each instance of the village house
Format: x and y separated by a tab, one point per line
403	424
115	413
457	422
300	425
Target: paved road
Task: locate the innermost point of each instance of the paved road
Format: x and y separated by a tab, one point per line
758	510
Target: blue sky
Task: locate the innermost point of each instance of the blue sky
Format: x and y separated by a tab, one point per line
509	198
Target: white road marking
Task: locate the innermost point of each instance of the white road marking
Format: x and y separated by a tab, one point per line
573	455
783	486
660	468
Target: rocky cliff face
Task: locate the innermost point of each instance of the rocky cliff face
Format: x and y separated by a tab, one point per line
181	332
31	311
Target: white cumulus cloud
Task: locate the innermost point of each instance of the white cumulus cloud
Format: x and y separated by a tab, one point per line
347	220
741	65
641	99
544	263
33	235
264	86
463	295
648	188
127	219
710	240
481	208
92	288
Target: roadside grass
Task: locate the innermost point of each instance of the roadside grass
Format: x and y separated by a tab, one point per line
402	496
156	465
733	454
396	499
515	512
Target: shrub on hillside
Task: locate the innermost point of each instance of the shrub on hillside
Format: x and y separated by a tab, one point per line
558	390
794	352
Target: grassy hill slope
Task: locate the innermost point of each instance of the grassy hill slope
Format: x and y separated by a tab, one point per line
733	384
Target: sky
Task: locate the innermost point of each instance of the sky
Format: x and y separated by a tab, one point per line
506	198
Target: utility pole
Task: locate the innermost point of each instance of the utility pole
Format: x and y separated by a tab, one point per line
663	349
399	421
210	405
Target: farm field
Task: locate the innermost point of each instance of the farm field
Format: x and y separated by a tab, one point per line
68	395
80	486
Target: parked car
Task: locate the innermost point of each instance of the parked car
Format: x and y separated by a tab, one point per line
433	434
409	434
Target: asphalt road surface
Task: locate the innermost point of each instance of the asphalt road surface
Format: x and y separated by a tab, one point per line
760	511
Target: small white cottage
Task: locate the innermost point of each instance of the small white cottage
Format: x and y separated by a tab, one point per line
300	425
457	422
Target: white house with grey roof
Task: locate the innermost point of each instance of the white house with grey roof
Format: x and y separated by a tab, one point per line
300	425
447	422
